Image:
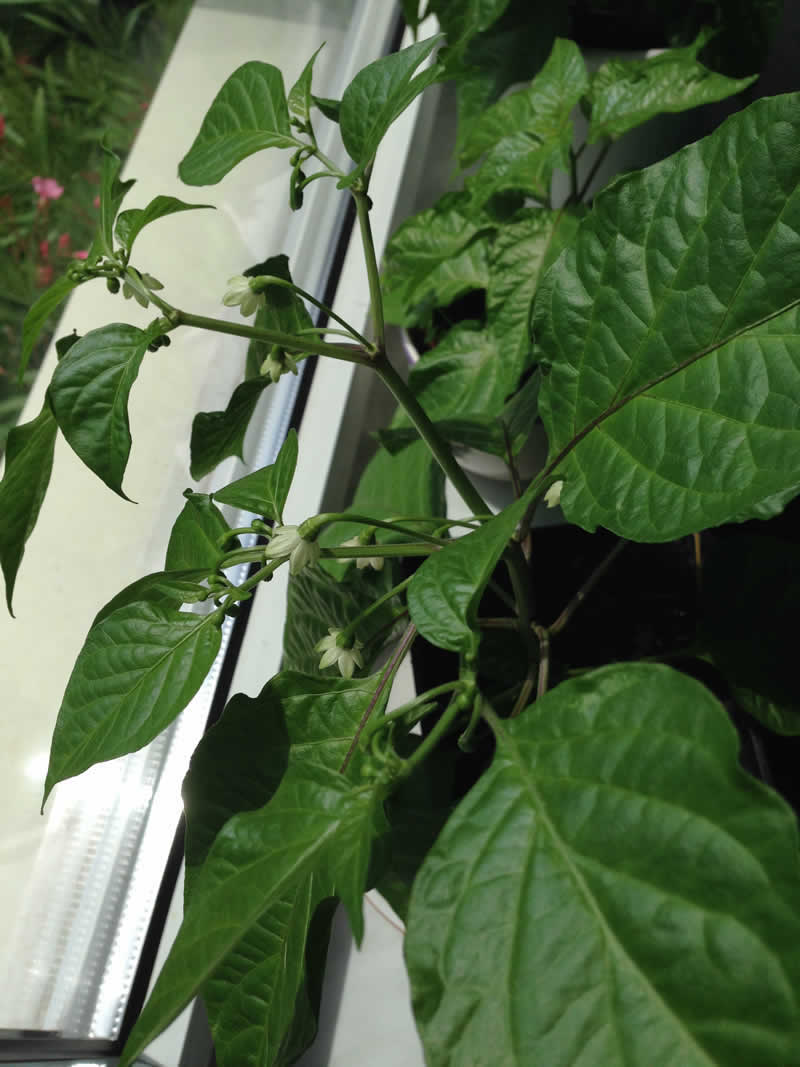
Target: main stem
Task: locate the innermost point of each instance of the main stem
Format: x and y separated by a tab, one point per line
373	275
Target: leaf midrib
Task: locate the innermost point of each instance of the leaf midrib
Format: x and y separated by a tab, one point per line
528	783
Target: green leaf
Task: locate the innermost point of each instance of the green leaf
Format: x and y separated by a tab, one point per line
318	822
444	595
249	113
626	93
378	95
163	587
29	462
112	193
465	374
264	492
299	99
329	108
411	13
131	223
38	314
64	344
89	394
316	601
751	586
522	251
671	335
526	135
137	670
462	20
216	435
614	891
193	542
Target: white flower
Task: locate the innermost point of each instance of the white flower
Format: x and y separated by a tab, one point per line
240	291
553	495
376	562
278	363
346	659
286	541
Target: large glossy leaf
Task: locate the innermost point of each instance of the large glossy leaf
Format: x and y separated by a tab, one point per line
38	314
89	394
131	223
378	95
264	492
318	822
627	92
751	587
614	891
259	988
443	598
138	669
29	462
526	135
671	330
194	539
521	253
247	114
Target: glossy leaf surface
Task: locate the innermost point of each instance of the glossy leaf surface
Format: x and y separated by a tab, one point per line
465	373
443	598
162	587
29	463
249	113
89	393
193	541
131	223
671	334
38	314
137	670
318	822
616	847
299	98
378	95
626	93
264	492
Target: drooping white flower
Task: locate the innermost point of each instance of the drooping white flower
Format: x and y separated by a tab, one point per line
278	363
286	541
552	497
240	292
346	659
376	562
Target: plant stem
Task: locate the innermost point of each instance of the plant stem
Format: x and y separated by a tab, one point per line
386	678
373	276
311	527
585	589
411	705
409	549
350	628
241	555
601	155
352	331
450	713
544	659
430	435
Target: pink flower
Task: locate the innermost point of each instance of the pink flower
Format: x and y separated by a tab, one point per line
44	249
2	127
44	275
82	254
63	243
96	201
47	188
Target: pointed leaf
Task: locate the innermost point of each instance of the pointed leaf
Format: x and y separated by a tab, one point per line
195	534
216	435
318	821
521	253
264	492
112	193
626	93
616	848
137	670
131	223
671	334
38	314
249	113
328	107
378	95
89	393
462	20
163	587
299	99
29	462
443	598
